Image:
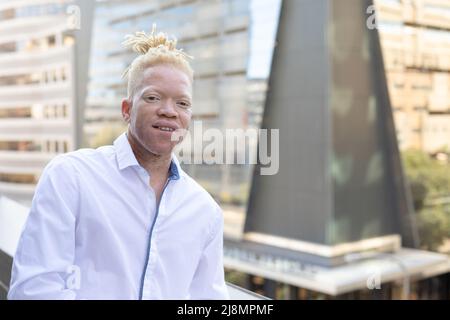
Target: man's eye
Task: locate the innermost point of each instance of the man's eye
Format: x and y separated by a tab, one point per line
184	104
151	98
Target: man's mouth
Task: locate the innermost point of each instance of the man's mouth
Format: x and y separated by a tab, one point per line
168	129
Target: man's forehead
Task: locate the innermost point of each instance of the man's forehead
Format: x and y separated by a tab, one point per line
163	71
165	78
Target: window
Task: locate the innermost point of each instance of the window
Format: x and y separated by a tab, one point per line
51	40
18	112
18	178
20	146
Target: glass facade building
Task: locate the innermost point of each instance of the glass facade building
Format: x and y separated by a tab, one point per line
231	42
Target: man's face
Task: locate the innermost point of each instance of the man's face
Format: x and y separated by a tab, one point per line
159	108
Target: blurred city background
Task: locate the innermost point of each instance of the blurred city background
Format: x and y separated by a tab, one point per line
61	88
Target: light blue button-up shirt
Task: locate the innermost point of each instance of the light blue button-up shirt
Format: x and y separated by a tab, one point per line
95	231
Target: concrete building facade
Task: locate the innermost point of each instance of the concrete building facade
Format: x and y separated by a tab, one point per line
415	38
41	87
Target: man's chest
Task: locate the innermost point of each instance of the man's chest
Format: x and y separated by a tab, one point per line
130	217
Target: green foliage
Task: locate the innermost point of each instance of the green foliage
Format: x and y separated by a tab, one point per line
434	226
106	135
236	277
429	180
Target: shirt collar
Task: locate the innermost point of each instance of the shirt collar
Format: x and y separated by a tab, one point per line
126	158
173	170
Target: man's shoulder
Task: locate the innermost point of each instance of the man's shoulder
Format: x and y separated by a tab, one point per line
90	154
77	159
197	190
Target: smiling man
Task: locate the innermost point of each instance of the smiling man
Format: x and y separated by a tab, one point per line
125	221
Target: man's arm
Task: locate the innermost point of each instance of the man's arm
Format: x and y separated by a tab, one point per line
209	278
47	243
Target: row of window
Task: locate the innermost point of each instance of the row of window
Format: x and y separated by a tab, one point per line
18	112
37	44
41	10
415	108
18	178
434	129
52	111
47	76
413	86
437	129
56	146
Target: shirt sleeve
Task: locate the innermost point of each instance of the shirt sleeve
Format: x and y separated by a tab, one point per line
43	263
209	278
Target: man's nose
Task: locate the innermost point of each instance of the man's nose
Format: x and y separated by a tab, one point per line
168	109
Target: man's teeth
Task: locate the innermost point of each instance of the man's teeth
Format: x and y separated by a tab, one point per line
165	129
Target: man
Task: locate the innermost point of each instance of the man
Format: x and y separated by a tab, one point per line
125	221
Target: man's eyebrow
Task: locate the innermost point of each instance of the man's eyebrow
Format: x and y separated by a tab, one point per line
185	96
147	89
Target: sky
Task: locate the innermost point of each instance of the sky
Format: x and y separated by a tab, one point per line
264	22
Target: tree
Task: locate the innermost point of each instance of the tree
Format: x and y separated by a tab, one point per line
106	135
430	187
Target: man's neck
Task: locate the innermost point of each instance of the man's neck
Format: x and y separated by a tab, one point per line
156	165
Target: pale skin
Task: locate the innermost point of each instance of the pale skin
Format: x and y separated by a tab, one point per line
160	105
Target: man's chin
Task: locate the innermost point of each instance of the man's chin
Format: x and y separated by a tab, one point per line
161	150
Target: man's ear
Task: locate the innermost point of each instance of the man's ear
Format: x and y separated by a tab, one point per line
126	109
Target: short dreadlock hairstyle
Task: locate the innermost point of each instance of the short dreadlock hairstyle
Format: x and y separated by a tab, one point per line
153	49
